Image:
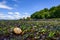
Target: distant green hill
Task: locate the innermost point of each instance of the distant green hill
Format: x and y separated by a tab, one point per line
53	12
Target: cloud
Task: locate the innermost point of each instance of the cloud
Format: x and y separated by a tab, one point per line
26	15
13	15
4	6
17	13
10	16
2	16
10	13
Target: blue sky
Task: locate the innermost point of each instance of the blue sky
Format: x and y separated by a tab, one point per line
16	9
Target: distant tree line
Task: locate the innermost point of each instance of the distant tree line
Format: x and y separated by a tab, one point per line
53	12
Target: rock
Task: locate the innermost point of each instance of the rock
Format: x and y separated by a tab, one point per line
17	30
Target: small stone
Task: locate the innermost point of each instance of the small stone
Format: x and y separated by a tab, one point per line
17	30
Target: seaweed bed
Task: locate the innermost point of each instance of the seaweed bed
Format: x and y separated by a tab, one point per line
32	30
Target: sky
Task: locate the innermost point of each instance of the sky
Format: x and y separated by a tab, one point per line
16	9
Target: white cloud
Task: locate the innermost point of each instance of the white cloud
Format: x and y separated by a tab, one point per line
10	13
4	6
17	13
10	16
2	16
13	15
26	15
